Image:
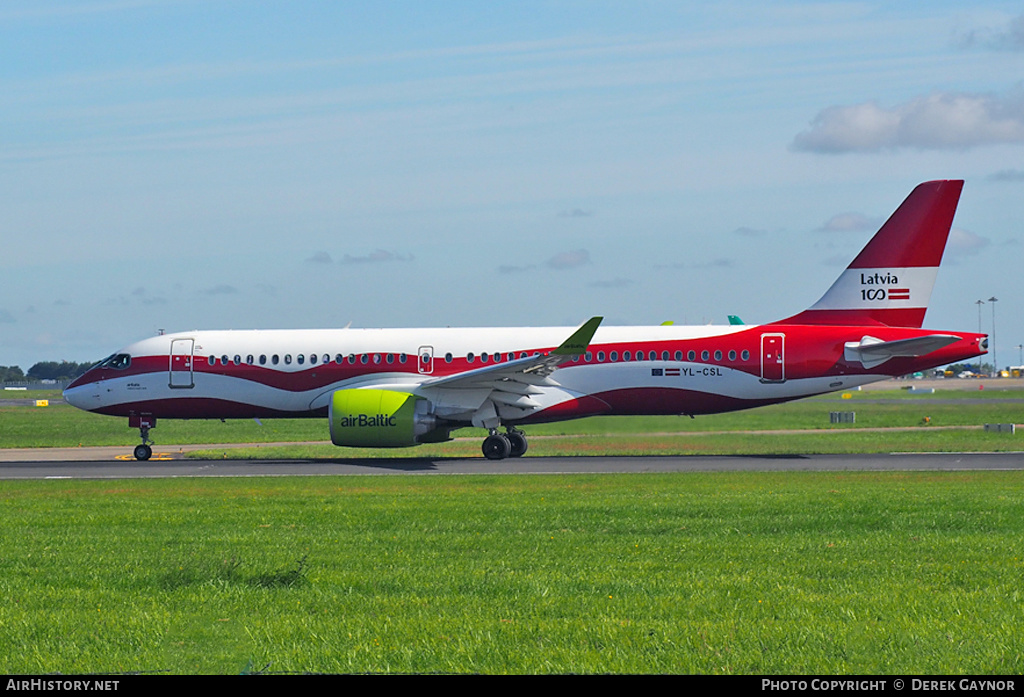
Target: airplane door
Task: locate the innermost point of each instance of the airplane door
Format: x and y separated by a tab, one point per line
426	359
773	358
181	363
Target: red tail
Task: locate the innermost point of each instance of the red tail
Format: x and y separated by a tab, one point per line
890	281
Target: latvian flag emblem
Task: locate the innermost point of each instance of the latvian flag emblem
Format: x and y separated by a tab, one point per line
899	294
664	372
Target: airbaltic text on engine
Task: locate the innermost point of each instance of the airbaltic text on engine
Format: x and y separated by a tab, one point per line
372	418
367	421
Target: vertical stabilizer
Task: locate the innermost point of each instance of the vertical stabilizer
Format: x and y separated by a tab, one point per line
890	281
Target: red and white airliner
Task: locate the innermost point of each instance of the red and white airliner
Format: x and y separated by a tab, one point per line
402	387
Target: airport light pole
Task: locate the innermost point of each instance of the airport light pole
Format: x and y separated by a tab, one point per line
992	301
979	303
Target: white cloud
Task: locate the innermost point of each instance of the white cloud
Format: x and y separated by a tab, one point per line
941	120
612	283
1010	38
220	289
569	260
964	243
320	258
849	222
375	257
748	232
1006	175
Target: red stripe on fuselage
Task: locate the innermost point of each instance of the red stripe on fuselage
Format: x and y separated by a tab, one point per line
811	351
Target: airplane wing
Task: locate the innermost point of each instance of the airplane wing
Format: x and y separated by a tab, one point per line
870	351
507	389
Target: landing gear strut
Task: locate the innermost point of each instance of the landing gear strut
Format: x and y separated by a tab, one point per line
143	451
498	446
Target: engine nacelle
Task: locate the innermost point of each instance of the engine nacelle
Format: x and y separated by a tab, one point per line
380	419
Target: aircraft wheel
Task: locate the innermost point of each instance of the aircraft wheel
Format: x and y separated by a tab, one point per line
517	441
143	452
496	447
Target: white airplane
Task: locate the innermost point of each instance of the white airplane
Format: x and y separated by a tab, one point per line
403	387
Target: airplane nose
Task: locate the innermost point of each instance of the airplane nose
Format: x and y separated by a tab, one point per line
80	395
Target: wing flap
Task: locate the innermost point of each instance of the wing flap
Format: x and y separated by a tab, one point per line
506	390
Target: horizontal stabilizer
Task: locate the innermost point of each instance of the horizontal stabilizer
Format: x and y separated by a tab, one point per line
870	351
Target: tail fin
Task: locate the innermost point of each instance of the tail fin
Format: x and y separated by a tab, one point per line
890	281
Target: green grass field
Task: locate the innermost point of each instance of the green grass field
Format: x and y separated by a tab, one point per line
945	421
691	573
718	573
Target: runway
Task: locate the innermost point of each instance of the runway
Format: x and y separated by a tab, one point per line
109	468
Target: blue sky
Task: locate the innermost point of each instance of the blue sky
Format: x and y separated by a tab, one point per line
193	165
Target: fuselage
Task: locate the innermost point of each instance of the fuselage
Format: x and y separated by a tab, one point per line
625	370
399	387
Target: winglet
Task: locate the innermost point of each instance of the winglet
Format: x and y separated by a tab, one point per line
580	339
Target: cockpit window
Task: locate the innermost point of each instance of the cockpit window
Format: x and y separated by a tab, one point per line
119	361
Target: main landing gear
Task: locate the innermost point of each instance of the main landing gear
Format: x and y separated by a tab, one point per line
498	446
143	451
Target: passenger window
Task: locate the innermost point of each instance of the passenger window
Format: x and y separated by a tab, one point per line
704	355
691	355
447	358
300	359
263	359
275	359
626	355
679	355
745	355
732	355
614	356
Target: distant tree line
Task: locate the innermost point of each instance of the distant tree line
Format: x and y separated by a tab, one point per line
44	370
11	373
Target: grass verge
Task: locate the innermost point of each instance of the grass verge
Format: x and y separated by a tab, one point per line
855	573
63	425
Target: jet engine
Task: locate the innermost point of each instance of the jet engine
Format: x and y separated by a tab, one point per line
382	419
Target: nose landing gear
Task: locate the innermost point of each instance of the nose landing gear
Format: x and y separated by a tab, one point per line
143	451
